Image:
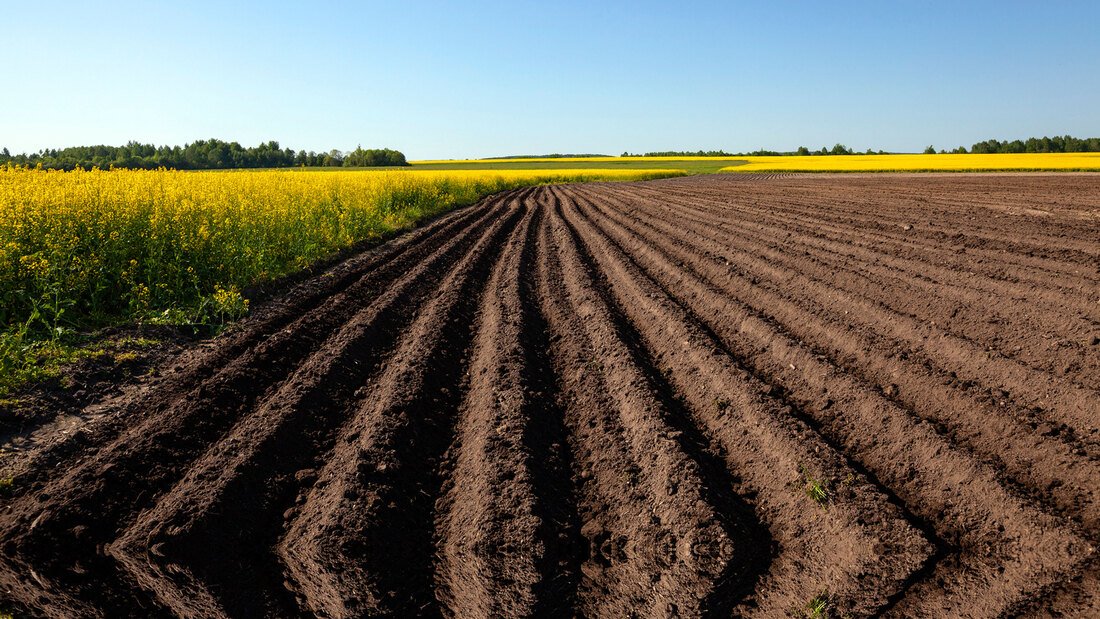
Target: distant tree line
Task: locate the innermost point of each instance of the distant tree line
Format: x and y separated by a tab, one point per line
373	157
682	153
551	156
1056	144
837	149
200	155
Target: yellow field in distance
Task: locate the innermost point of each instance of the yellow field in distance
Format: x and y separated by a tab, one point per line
564	160
922	163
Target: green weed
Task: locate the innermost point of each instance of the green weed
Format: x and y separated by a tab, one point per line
816	488
818	607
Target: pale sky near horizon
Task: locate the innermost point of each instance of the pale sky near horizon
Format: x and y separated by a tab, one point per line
475	79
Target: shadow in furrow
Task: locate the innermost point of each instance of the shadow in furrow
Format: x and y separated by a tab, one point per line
756	548
551	461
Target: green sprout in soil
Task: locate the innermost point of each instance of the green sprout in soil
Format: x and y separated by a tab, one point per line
816	489
818	607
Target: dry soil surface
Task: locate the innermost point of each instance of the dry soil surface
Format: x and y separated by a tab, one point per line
702	396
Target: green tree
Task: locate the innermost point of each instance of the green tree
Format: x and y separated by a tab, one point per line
931	150
374	157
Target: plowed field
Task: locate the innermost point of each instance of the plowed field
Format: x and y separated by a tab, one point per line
879	395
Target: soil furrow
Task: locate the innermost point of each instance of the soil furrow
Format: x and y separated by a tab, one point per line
741	415
253	473
949	260
1039	397
740	218
656	545
546	439
361	542
737	581
737	218
92	502
1011	328
1009	550
843	202
1052	470
314	305
504	534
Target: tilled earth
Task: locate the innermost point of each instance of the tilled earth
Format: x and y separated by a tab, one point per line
714	395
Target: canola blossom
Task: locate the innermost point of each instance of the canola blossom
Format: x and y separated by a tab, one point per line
969	162
635	159
92	247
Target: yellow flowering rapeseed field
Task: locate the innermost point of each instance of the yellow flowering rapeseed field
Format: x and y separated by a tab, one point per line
969	162
940	162
596	159
87	248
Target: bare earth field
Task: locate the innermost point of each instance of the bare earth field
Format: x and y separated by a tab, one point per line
710	395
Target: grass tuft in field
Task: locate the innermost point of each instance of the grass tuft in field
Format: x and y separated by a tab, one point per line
817	489
818	607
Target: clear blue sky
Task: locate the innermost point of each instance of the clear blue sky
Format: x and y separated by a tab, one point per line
473	79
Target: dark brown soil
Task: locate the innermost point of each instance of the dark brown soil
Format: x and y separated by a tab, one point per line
707	396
